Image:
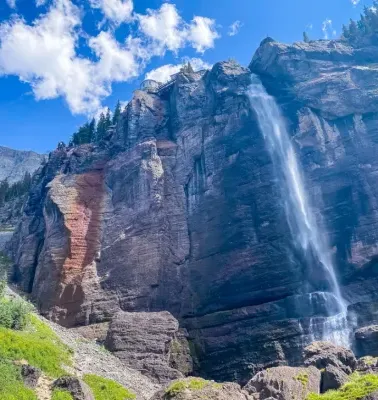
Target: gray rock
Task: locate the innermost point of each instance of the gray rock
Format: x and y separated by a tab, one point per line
14	164
372	396
184	390
30	375
284	383
332	378
150	343
323	354
367	341
78	389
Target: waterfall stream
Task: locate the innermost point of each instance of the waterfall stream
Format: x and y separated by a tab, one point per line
308	238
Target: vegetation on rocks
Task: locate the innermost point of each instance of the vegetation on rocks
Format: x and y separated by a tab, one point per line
9	192
189	383
11	384
38	345
61	395
106	389
355	389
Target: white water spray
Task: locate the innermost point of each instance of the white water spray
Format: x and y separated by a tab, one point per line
301	219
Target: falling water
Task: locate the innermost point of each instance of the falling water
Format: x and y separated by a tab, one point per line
308	238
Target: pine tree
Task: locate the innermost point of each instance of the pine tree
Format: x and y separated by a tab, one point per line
306	39
101	128
117	113
346	33
353	30
108	120
92	131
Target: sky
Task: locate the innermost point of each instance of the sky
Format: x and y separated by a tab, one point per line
64	61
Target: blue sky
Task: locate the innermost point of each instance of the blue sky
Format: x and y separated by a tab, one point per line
61	61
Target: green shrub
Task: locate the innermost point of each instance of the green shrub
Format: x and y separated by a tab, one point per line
357	388
105	389
14	313
61	395
191	384
38	345
11	385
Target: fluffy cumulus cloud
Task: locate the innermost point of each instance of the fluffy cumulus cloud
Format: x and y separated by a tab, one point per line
116	11
45	52
163	73
167	31
355	2
234	28
39	3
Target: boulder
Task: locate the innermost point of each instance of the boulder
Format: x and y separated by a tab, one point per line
284	383
332	378
367	341
151	343
30	375
323	354
78	389
372	396
199	389
367	364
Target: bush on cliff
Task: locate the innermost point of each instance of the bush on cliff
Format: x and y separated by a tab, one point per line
106	389
14	313
357	388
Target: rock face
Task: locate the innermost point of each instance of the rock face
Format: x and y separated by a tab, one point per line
14	164
180	210
151	343
367	341
78	389
284	383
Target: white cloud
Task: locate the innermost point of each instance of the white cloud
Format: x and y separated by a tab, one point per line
163	73
164	27
167	30
117	11
327	28
355	2
202	33
309	27
45	53
234	28
39	3
11	3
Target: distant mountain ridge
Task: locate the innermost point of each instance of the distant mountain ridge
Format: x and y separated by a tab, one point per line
15	163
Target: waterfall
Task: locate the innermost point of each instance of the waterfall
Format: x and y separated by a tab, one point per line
307	235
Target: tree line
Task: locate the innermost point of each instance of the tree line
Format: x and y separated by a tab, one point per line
9	191
361	32
92	132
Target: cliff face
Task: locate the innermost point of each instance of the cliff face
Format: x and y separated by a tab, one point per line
14	164
180	210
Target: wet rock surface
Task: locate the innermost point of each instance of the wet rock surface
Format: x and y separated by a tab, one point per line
367	341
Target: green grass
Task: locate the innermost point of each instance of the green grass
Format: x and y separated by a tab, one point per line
105	389
357	388
61	395
191	384
38	345
11	385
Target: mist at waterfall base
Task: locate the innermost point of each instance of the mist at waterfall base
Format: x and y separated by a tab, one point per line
326	302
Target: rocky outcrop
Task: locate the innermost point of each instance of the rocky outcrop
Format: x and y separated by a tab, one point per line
367	341
78	389
198	389
180	210
332	378
284	383
14	164
151	343
324	354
